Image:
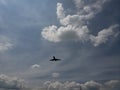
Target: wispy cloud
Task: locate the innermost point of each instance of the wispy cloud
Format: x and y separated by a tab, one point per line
5	43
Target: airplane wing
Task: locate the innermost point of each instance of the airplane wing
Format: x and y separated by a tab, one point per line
52	60
58	59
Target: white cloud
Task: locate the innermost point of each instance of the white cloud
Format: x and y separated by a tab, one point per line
50	33
56	85
74	27
5	43
35	66
55	75
105	35
60	11
8	83
90	85
54	34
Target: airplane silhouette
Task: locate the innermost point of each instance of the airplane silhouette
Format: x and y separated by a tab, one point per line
54	59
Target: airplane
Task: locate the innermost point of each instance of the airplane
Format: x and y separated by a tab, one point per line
54	59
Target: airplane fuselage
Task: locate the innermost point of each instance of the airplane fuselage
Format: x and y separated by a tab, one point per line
54	59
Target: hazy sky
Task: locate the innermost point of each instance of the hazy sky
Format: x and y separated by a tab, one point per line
85	34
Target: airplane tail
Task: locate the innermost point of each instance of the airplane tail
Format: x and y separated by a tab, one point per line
54	57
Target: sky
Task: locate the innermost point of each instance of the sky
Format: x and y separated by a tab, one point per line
84	34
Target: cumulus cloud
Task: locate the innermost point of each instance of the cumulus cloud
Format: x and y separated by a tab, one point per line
60	11
35	66
75	27
5	43
90	85
54	34
11	83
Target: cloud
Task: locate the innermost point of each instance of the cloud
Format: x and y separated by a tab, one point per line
105	35
35	66
60	11
112	85
87	7
75	27
53	85
55	75
8	83
5	43
54	34
90	85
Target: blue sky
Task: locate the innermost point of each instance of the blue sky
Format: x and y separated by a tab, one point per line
84	34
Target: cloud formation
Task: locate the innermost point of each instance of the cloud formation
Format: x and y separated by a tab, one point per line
8	83
35	66
55	75
104	35
90	85
5	43
75	27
